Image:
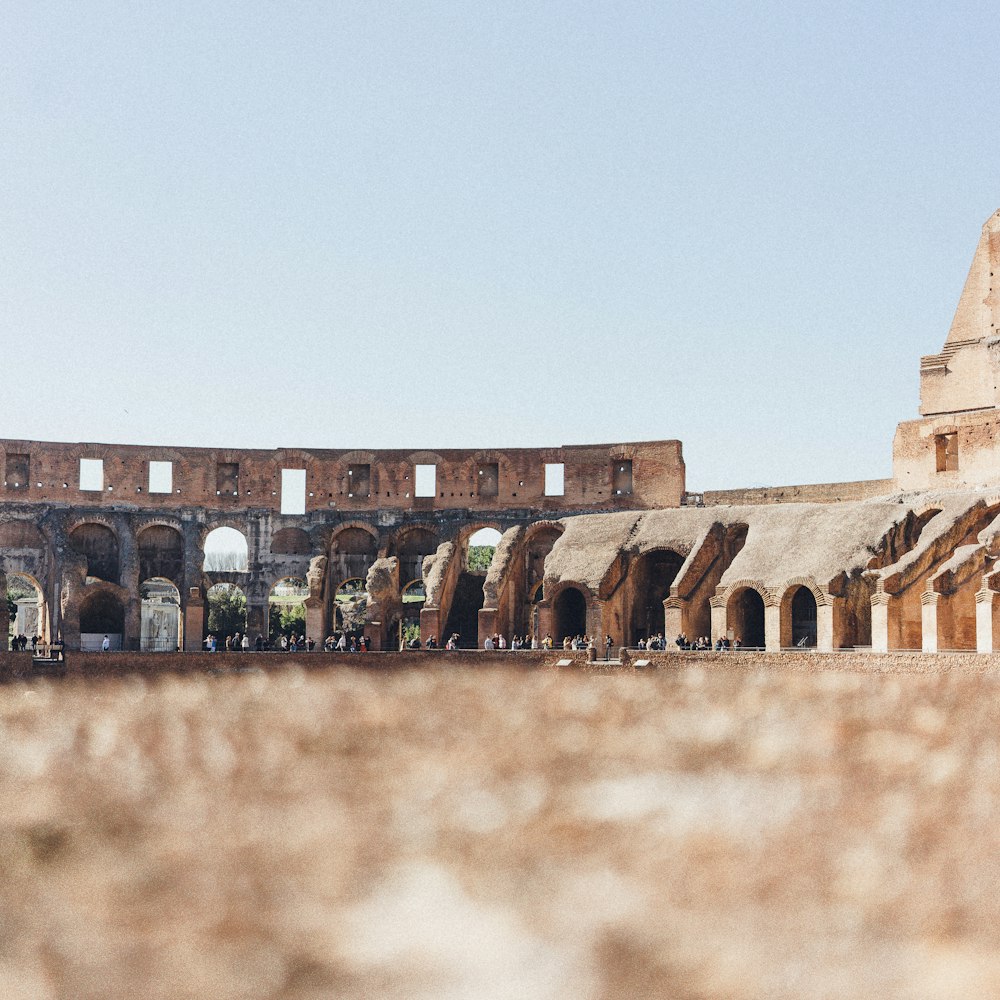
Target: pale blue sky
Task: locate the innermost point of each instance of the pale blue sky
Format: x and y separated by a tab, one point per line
466	224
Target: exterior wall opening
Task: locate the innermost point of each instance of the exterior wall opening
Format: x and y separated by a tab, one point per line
555	479
92	474
946	452
293	491
26	607
97	542
286	612
803	609
160	616
425	480
651	578
413	601
227	612
226	551
101	614
351	606
161	553
161	477
569	612
746	618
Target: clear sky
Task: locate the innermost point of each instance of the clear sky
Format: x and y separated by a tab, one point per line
462	224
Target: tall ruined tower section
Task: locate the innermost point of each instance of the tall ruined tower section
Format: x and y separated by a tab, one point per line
957	443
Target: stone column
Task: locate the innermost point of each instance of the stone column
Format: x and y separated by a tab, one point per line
880	622
674	613
772	628
929	621
316	621
194	621
544	620
256	620
487	626
4	615
430	623
986	614
824	627
720	621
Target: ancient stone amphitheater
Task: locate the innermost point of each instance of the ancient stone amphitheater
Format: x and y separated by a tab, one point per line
598	539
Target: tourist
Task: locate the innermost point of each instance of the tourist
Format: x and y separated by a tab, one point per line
488	643
342	643
608	643
245	643
105	644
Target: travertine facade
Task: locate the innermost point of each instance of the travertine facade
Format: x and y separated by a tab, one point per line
617	548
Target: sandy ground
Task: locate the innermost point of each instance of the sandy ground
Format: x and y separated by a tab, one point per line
486	833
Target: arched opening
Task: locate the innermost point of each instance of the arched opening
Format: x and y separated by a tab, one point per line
467	598
413	601
160	616
803	612
161	553
226	551
352	552
410	549
351	606
26	609
227	612
97	542
286	612
101	614
569	614
290	542
745	616
650	578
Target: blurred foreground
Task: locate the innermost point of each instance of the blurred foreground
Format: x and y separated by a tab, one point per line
453	832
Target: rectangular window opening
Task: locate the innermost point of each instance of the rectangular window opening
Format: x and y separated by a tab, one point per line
92	474
293	491
946	448
555	479
425	481
161	477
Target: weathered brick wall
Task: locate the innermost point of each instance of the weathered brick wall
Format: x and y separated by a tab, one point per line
862	489
49	472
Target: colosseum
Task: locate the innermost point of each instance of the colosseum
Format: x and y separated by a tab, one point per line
603	539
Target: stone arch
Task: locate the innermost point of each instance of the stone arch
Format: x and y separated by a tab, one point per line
799	614
411	545
648	585
102	613
745	617
160	620
31	617
284	597
291	542
229	555
569	611
161	552
225	611
353	550
97	541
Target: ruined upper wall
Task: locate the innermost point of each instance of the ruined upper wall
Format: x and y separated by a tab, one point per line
606	476
963	376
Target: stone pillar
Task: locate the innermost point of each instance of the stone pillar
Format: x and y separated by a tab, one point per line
430	624
929	621
316	621
133	623
487	626
772	628
595	620
720	621
4	615
373	630
986	615
544	620
824	627
257	620
194	621
674	613
880	622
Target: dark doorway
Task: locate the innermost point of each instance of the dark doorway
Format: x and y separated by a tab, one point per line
803	618
748	622
463	617
570	614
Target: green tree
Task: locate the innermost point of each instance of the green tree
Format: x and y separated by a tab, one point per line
227	610
480	557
